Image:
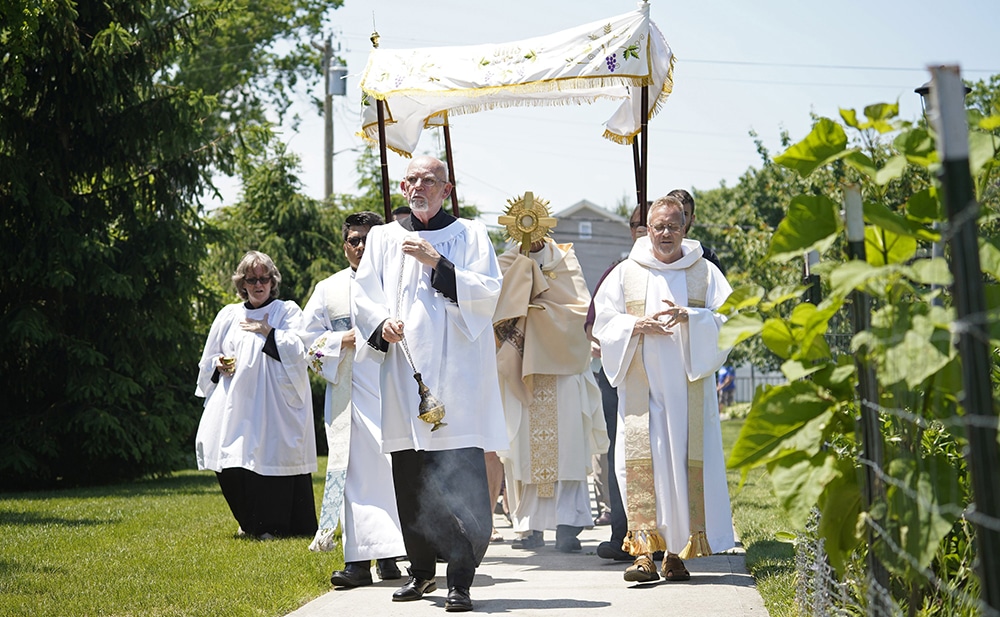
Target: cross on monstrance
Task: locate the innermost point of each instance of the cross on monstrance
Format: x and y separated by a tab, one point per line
527	220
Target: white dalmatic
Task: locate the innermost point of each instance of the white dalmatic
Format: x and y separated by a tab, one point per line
359	492
690	354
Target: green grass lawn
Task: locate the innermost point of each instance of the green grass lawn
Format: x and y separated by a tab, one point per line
758	517
154	548
166	547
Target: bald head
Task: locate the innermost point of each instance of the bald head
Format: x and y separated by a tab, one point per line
425	186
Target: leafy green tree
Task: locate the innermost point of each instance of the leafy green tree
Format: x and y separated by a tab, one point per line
100	165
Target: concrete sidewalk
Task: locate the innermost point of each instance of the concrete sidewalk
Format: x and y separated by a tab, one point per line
547	582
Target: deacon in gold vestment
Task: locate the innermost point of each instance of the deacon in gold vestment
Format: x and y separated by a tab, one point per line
659	335
551	401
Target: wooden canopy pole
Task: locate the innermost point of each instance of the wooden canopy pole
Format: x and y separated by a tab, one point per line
451	166
386	201
637	170
644	162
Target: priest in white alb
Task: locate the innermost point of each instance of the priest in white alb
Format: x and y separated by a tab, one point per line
427	287
658	327
358	493
553	404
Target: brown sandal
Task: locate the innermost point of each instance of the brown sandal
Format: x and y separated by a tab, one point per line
642	570
673	569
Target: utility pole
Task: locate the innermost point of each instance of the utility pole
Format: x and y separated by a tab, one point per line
334	72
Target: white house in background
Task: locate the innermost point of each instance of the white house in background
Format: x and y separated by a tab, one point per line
599	237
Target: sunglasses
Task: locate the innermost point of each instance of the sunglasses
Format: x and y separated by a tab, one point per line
263	280
356	240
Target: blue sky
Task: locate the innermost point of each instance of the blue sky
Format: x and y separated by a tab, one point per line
761	65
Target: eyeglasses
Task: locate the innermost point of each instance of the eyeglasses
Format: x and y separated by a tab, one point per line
264	280
427	181
672	229
356	240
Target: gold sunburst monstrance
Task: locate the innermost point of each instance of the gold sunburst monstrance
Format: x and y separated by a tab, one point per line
527	220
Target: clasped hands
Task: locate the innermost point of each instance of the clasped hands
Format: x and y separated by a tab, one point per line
651	324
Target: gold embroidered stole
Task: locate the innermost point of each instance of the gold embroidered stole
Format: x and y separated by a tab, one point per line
643	536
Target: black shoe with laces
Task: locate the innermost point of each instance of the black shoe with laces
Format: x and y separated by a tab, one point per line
387	569
414	589
458	600
354	574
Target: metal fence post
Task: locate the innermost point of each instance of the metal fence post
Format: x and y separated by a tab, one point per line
947	114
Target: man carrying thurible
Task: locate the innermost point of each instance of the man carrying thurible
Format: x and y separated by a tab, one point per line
427	289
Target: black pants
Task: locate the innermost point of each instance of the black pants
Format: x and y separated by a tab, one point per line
609	399
444	509
278	505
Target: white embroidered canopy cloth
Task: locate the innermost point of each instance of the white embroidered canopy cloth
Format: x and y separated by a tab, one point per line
608	59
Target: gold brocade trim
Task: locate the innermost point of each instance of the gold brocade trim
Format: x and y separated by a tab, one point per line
507	332
543	430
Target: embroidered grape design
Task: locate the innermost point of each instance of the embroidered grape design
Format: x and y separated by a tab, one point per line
612	62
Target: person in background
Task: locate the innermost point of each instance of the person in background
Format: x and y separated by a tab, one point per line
551	399
256	432
687	200
400	213
612	548
659	335
494	477
726	387
427	287
359	475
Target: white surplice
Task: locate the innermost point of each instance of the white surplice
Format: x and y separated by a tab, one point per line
580	428
451	344
261	417
691	353
358	490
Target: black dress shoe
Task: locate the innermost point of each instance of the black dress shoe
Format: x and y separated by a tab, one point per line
414	589
458	600
611	550
387	569
354	574
534	540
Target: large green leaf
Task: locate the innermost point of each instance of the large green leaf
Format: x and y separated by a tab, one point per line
738	329
924	207
812	322
920	352
933	271
799	479
989	258
917	519
884	247
983	149
858	275
744	297
879	115
824	144
840	516
892	170
879	214
812	223
917	146
861	162
775	417
778	337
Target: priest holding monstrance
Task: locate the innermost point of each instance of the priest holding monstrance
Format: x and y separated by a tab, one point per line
427	288
552	402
